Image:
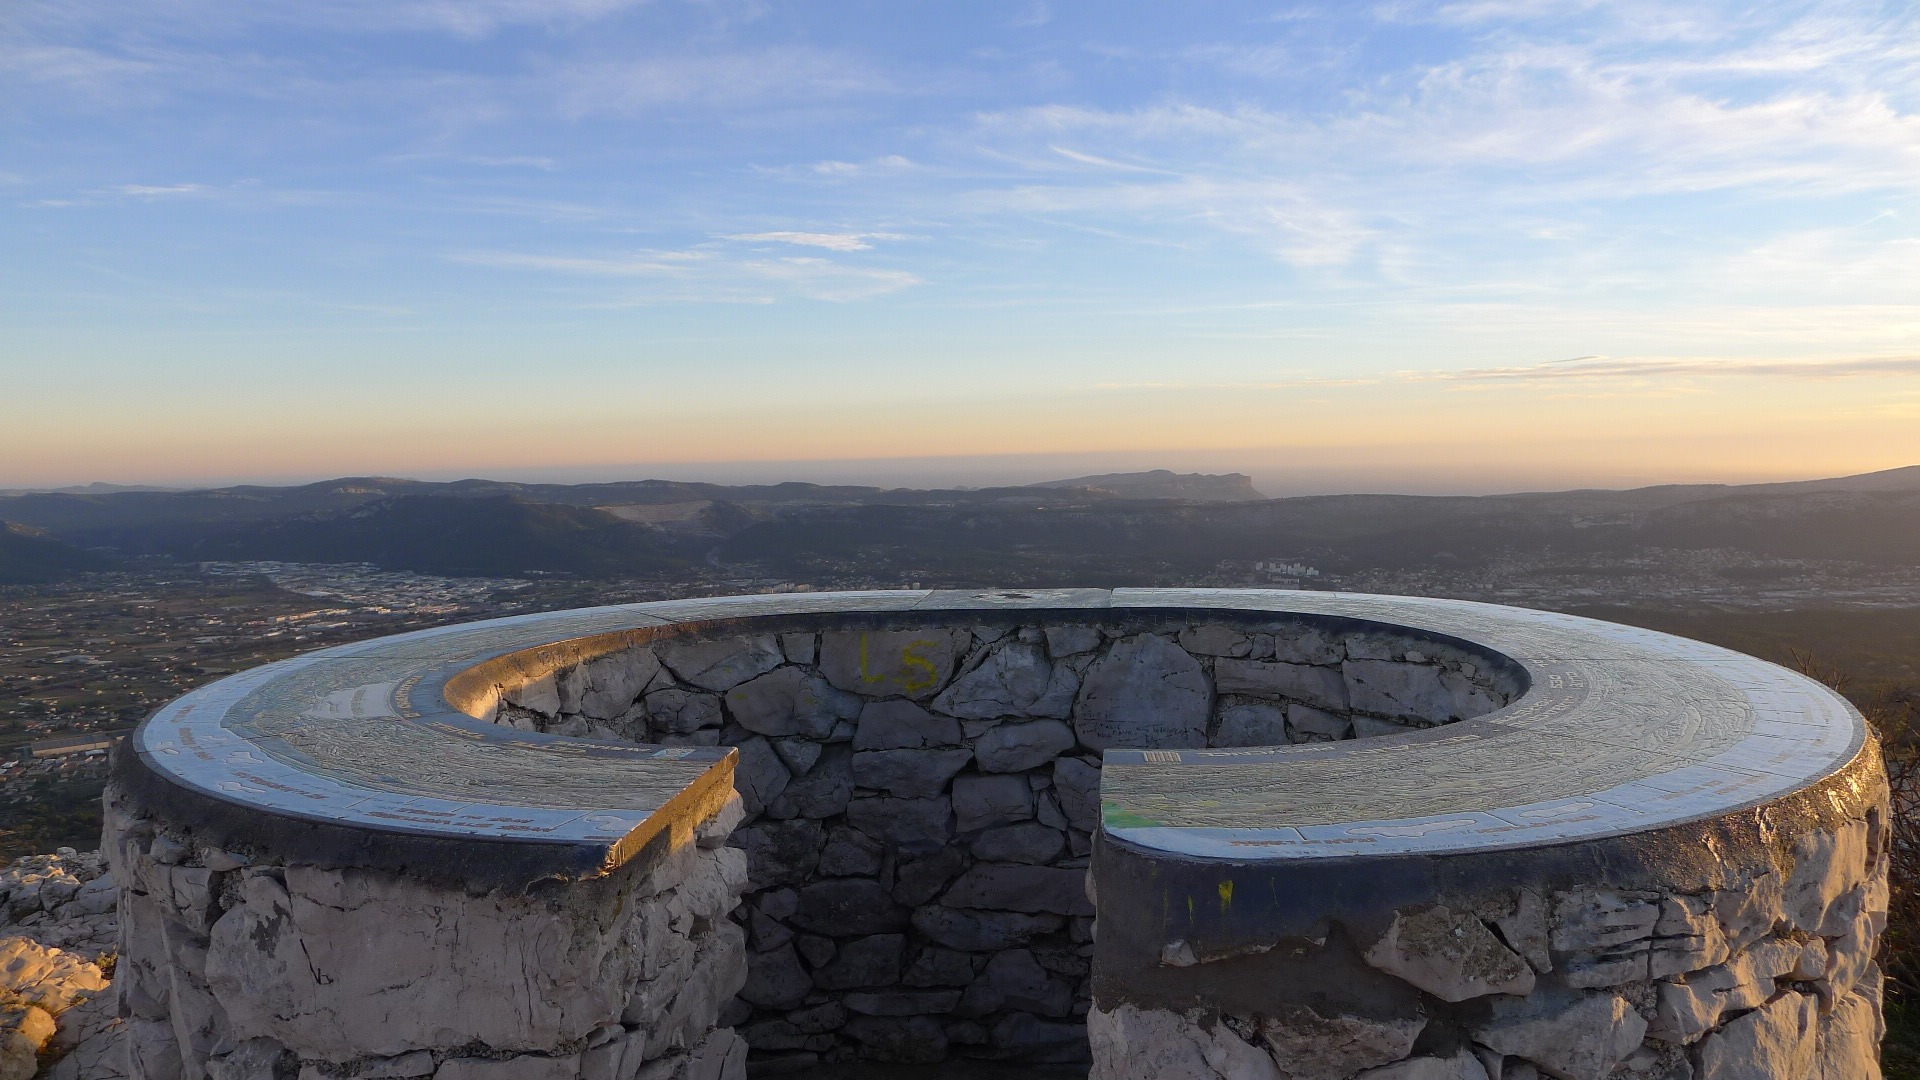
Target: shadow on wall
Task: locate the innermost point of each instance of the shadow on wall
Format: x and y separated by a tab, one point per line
922	799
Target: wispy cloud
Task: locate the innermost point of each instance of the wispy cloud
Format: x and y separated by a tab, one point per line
830	241
158	191
1585	369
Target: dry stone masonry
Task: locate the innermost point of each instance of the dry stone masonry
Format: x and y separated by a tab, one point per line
1174	833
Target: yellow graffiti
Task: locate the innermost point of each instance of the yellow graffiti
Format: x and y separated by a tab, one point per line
916	672
1226	896
911	660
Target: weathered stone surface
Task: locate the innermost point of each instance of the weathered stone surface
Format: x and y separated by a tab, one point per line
1321	687
523	1067
908	773
1019	747
53	979
1030	889
869	961
1145	693
883	663
825	789
1015	980
915	826
1131	1043
1027	842
1604	936
1849	1041
1077	784
680	711
760	776
1826	865
780	852
1212	639
1307	645
1030	1038
1399	690
1748	911
776	980
1460	1066
1252	723
1308	724
898	1002
983	801
1008	682
722	664
1451	955
791	701
1335	1045
981	931
1569	1034
940	967
615	681
1779	1039
848	906
903	725
799	755
851	853
917	881
1071	640
902	1039
24	1030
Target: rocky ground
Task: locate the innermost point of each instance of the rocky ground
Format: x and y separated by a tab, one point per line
58	933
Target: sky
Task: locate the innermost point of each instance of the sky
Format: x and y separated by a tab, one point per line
1400	246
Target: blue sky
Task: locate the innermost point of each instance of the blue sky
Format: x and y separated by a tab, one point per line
1404	246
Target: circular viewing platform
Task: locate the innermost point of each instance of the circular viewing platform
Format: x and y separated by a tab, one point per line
1379	830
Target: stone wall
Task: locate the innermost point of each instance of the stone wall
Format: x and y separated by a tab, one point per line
921	799
235	965
1740	948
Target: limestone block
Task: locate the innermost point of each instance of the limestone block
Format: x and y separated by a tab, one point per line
1466	698
759	776
1212	639
254	1059
1680	955
852	853
1018	747
714	831
677	710
152	1051
1826	865
1030	889
775	979
720	970
1144	693
1071	640
1308	724
1451	955
1335	1045
883	663
899	1002
827	788
722	1055
903	725
799	648
1321	687
791	701
981	931
524	1067
1749	911
798	754
1604	936
915	826
980	802
1849	1041
1027	842
615	681
1253	723
1032	1039
1401	690
1461	1066
1015	980
1131	1043
24	1030
908	773
1848	958
1305	645
53	979
848	906
541	695
1011	678
916	881
1779	1039
723	664
900	1039
1526	930
338	965
780	852
1578	1036
1077	784
869	961
939	967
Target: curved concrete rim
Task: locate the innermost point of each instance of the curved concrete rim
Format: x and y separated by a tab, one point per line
1618	730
